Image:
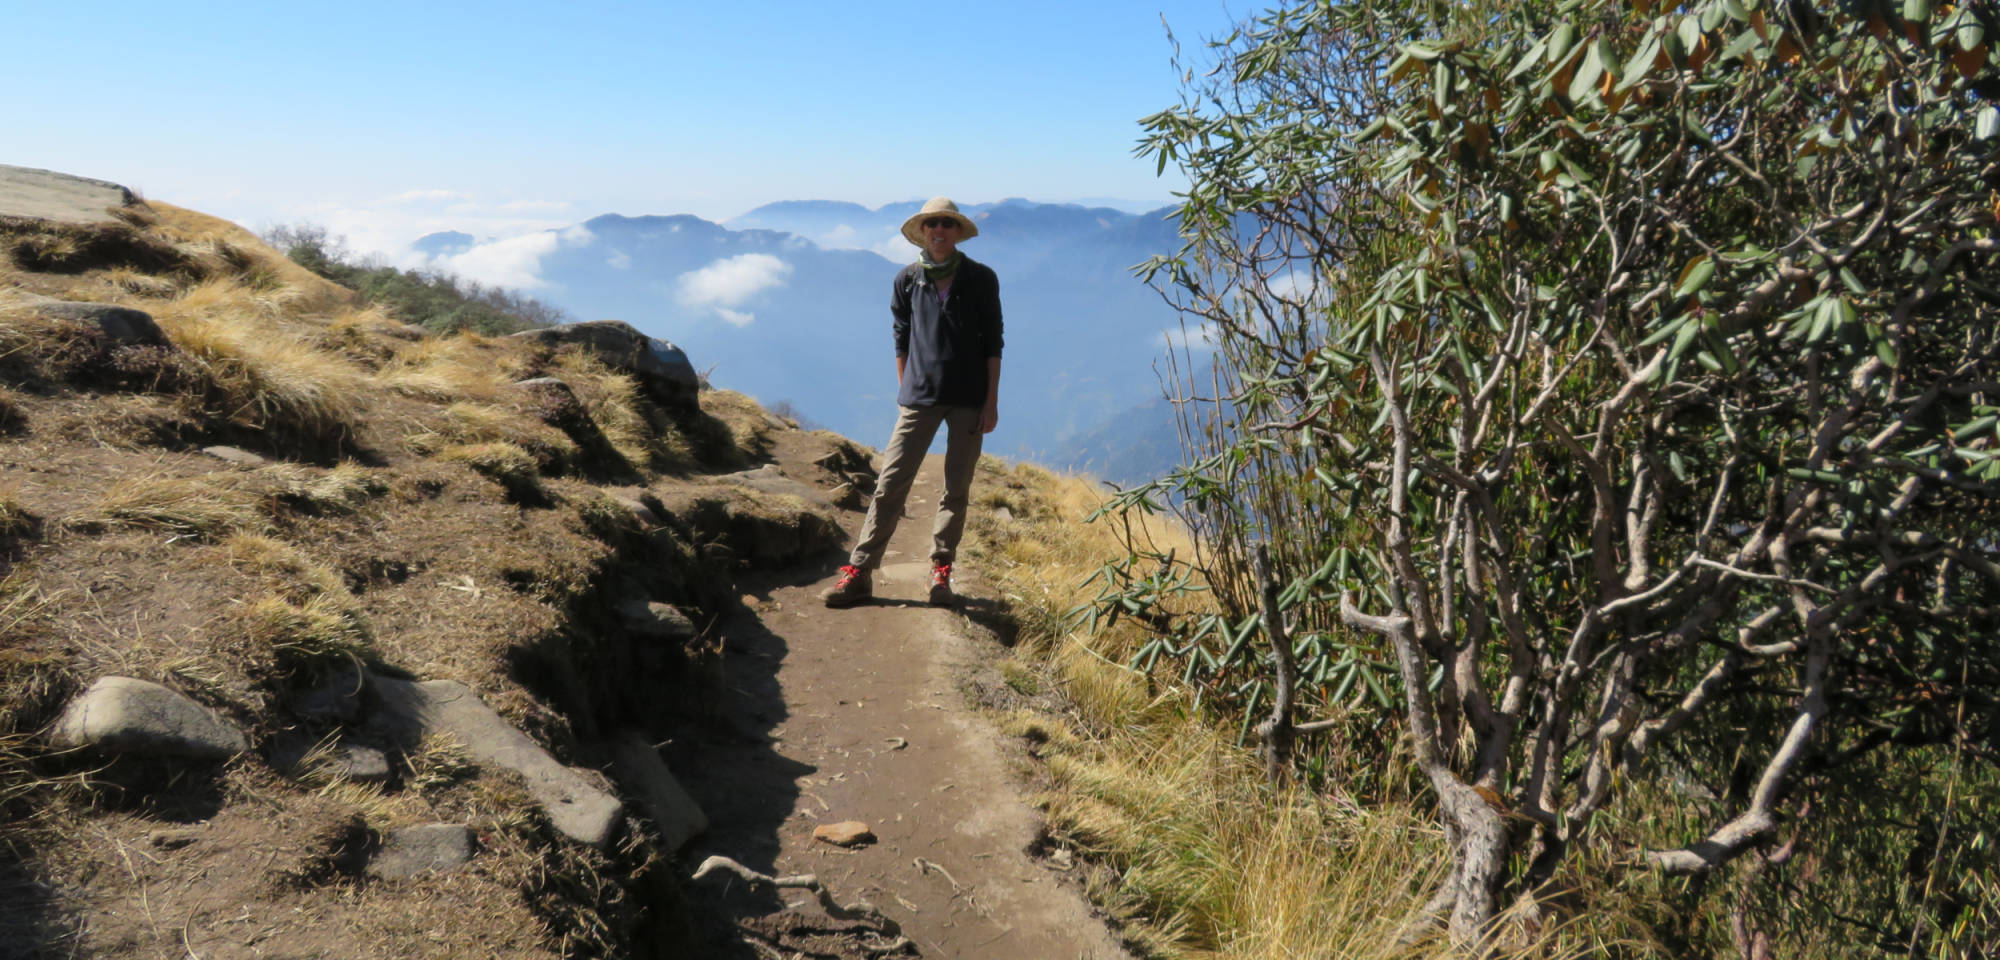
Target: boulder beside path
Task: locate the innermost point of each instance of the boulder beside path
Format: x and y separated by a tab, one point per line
579	809
127	715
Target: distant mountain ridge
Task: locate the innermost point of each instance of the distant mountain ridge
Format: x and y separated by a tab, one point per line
789	304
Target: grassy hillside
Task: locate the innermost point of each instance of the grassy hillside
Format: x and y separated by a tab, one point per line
406	509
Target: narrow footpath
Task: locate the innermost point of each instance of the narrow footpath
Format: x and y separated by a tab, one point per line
859	715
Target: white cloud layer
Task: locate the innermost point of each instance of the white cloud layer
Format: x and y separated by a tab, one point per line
1200	339
726	284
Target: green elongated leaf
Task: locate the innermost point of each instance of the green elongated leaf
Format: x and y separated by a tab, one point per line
1822	476
1529	59
1970	33
1974	429
1988	124
1559	42
1673	326
1688	32
1744	43
1695	275
1917	11
1822	321
1735	11
1682	339
1441	84
1641	63
1373	128
1421	51
1677	465
1583	84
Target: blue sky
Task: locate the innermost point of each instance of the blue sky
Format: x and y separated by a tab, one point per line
385	121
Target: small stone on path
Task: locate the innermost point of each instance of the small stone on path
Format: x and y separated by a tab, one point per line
847	833
233	455
431	847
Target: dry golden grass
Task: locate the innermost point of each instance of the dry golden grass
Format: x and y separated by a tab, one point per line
287	637
281	566
474	423
193	508
503	463
612	400
1203	855
464	366
259	374
311	292
15	520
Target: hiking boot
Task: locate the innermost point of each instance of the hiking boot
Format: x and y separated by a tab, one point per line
852	588
941	595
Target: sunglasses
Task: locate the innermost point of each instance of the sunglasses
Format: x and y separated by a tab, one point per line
939	222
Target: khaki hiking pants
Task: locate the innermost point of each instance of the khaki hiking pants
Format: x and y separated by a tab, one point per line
915	428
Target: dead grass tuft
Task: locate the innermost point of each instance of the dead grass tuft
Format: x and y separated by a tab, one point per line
190	508
505	464
465	366
323	632
637	429
16	523
476	423
281	566
256	374
295	488
440	762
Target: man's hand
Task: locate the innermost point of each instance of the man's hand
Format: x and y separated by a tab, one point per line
989	417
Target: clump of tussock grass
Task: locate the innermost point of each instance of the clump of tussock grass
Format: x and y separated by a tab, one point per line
192	508
503	463
254	373
13	415
464	366
287	638
636	428
281	566
340	491
142	284
16	523
474	423
438	763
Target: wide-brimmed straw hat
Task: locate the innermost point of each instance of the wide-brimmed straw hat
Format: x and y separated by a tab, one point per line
938	207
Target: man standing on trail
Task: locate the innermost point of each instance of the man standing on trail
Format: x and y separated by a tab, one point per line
948	335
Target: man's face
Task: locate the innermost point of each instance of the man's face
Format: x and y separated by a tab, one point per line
940	236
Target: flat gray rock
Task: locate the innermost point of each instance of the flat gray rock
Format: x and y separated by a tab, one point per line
429	848
48	195
768	479
663	621
124	715
235	455
577	808
647	777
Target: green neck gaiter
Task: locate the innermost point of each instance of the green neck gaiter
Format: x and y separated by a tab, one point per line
939	271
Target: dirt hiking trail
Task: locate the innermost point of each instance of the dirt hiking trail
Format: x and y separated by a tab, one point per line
860	714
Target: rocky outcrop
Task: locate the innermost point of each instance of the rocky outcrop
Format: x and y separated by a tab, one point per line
414	710
126	715
660	367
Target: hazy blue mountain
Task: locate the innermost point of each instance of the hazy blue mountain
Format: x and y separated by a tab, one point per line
767	310
444	243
